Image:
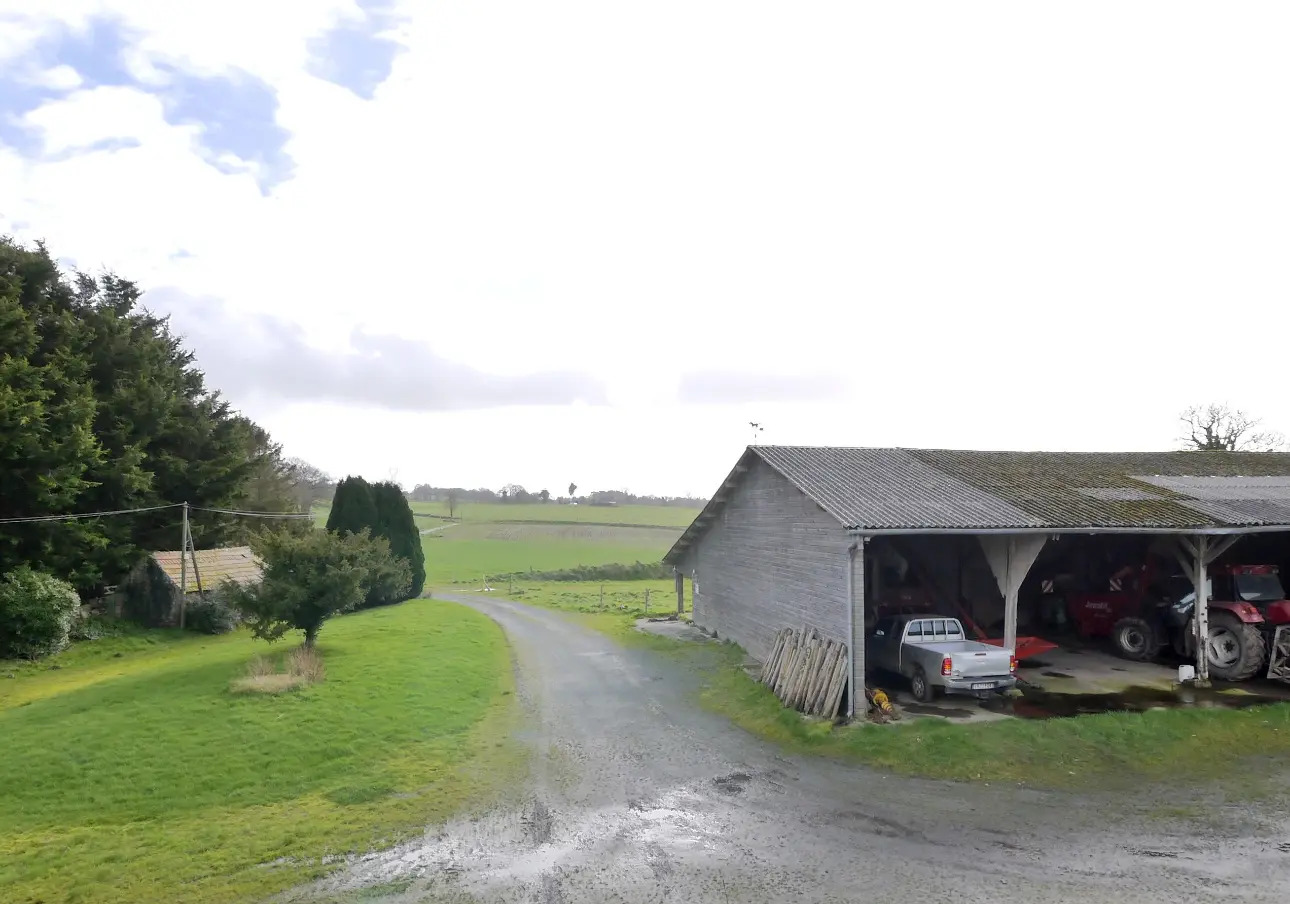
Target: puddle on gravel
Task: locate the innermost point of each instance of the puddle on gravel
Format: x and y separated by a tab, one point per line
1038	704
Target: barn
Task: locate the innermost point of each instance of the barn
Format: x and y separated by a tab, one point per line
832	538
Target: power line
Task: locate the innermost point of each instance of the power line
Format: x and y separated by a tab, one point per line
154	508
253	514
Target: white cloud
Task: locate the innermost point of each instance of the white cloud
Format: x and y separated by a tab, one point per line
61	78
1007	222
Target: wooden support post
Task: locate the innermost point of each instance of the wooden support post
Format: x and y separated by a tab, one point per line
1010	557
183	568
680	592
1201	581
855	643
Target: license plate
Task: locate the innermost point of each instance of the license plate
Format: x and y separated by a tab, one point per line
983	686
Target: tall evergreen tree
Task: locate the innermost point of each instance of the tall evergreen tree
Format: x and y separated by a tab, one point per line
353	507
102	408
395	522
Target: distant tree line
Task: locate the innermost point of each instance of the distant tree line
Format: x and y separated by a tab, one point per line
102	409
514	493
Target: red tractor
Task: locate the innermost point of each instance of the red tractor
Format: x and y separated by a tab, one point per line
1147	614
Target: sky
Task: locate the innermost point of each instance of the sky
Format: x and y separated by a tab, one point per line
484	242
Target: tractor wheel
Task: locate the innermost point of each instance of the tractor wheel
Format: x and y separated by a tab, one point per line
1236	650
923	690
1134	638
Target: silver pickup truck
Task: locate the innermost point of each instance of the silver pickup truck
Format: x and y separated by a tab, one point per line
935	655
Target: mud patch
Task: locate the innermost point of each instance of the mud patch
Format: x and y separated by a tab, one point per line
945	712
1037	703
734	783
1056	675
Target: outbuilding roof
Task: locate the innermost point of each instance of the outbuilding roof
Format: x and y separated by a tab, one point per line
215	566
928	490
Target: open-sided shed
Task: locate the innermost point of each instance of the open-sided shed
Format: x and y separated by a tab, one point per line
798	535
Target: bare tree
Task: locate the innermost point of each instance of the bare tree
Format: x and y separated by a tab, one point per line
309	484
1221	428
453	498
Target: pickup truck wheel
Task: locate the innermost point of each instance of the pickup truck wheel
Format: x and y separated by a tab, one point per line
1236	650
923	690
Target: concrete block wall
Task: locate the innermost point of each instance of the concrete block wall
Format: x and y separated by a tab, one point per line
772	559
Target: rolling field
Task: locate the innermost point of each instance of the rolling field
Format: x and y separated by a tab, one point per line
651	515
466	552
131	773
501	538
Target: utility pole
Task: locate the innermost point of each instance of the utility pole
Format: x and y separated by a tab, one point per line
183	569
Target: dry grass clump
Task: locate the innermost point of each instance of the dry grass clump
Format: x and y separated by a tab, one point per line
303	667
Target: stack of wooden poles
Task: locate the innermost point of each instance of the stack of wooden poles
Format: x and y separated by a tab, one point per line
807	671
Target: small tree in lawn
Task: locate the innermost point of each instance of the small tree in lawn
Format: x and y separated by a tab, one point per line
311	576
573	488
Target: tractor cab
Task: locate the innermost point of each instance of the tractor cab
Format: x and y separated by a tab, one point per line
1254	593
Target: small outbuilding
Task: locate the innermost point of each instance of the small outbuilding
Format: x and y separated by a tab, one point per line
827	537
155	588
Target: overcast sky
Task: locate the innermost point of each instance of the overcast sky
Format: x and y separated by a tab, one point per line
470	243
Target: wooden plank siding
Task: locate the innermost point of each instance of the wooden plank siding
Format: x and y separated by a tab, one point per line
771	559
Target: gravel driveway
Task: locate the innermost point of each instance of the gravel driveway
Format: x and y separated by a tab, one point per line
637	795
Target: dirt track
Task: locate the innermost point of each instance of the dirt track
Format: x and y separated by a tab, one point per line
639	796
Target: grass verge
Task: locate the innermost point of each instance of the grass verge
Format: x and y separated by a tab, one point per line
1106	750
139	777
611	607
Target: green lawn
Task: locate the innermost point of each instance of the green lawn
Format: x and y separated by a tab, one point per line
139	777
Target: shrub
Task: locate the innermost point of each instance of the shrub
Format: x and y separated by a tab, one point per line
92	627
36	612
311	576
209	616
306	664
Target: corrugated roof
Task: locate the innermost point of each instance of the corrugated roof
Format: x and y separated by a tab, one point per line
944	489
232	563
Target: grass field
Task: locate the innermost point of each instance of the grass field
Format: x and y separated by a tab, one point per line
491	539
648	515
609	606
466	552
131	773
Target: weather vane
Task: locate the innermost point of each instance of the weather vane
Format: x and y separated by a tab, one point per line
756	428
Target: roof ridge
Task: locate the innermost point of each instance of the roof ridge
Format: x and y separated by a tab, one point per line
1242	452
